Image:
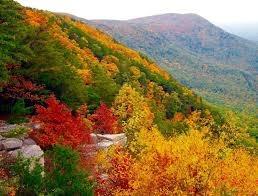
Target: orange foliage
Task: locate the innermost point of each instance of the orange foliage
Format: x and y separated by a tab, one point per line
178	117
155	92
185	165
35	18
85	75
110	63
105	121
59	126
84	55
109	41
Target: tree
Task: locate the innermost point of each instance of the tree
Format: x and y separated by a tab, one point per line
173	105
60	176
110	64
58	126
189	164
63	176
105	121
132	110
103	85
21	88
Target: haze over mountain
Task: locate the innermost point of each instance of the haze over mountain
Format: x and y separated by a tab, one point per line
220	66
246	30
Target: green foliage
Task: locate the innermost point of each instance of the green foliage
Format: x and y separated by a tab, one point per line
173	105
93	99
61	178
170	129
66	84
65	178
18	112
49	66
13	34
17	132
19	108
222	69
103	85
30	176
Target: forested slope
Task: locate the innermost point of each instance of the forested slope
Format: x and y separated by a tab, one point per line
220	66
64	81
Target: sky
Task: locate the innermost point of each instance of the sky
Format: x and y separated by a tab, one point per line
217	11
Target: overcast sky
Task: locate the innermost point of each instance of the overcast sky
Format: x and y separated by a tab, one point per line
217	11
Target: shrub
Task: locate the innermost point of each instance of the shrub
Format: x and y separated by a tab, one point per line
188	164
30	179
58	126
17	132
105	121
18	111
63	176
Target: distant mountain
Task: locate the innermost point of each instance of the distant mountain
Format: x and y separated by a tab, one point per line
246	30
221	66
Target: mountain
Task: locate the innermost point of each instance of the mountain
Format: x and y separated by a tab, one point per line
247	30
84	114
218	65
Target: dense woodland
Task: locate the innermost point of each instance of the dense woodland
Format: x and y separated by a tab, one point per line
219	66
74	80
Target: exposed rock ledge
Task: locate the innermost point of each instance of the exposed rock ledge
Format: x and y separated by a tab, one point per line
103	141
26	147
29	149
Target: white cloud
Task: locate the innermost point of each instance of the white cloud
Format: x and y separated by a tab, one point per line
217	11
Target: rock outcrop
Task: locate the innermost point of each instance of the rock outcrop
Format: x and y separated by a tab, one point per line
26	147
103	141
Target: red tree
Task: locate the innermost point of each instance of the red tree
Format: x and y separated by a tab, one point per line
59	126
20	88
105	121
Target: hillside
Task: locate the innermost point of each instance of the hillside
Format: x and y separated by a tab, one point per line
82	113
218	65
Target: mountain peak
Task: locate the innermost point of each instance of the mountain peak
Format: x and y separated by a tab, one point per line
168	15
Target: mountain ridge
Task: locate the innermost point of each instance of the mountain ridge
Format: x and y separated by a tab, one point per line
184	44
86	114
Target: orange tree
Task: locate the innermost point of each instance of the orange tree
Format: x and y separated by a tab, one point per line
189	164
105	121
58	126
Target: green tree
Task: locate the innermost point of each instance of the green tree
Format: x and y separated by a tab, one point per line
104	86
173	105
64	177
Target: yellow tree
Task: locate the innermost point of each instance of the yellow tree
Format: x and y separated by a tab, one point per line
132	110
110	63
189	164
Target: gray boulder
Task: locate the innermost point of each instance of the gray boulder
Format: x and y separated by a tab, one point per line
105	144
11	144
112	137
29	141
29	151
6	128
93	138
121	142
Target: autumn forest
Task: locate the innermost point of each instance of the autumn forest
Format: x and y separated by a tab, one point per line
64	83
